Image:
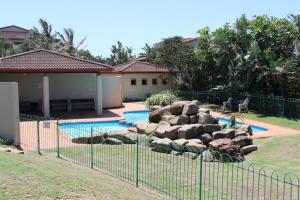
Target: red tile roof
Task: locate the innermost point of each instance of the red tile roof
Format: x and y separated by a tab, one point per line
45	61
139	67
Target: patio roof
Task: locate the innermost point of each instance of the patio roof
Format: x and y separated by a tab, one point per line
140	67
45	61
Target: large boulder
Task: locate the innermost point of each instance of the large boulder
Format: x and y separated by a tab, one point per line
189	131
209	128
225	133
176	107
204	110
195	147
171	132
141	127
248	149
156	115
167	118
190	109
206	138
194	119
190	155
151	128
196	102
204	118
179	144
161	129
126	137
243	140
179	120
162	145
245	128
216	144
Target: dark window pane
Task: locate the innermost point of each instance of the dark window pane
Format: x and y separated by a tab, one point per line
133	81
144	81
154	81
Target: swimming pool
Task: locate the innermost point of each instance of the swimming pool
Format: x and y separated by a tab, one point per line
255	129
81	129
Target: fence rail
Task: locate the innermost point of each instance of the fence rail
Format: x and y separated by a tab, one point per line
263	104
176	175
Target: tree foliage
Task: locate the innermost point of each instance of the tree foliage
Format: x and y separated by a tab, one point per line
259	55
120	54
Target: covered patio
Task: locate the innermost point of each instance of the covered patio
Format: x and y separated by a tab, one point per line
49	81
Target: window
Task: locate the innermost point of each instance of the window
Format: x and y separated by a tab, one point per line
144	81
154	81
164	82
133	81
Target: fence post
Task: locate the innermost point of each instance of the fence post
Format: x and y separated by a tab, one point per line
200	177
92	149
283	107
137	162
57	137
38	136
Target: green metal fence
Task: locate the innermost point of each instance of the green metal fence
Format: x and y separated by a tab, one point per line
176	175
263	104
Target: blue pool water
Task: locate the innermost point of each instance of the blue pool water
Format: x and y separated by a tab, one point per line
81	129
136	116
255	129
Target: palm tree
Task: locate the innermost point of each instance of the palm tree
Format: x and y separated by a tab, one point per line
6	48
67	40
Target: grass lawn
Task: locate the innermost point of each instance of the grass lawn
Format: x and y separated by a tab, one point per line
31	176
282	152
290	123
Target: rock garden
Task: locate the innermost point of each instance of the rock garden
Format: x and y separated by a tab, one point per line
184	128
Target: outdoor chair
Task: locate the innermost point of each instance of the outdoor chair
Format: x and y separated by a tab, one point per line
244	105
227	104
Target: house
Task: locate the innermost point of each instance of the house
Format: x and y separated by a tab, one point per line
50	81
140	79
192	42
15	34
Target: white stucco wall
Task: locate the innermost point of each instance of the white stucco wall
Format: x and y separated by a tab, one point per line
139	91
112	91
9	111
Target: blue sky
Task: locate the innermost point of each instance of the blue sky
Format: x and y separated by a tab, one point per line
136	22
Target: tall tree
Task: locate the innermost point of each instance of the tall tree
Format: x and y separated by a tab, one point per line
67	40
120	54
6	48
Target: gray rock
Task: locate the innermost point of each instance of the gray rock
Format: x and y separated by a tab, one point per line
190	109
225	133
190	155
193	119
179	120
196	102
126	137
161	145
112	141
243	140
151	128
189	131
171	132
176	108
161	129
208	156
209	128
206	138
176	153
196	140
141	127
204	110
204	118
241	133
216	144
246	128
156	115
179	144
195	147
167	118
133	129
248	149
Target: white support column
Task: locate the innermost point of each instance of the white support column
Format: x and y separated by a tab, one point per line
99	94
46	104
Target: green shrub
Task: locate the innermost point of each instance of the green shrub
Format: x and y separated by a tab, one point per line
6	141
163	98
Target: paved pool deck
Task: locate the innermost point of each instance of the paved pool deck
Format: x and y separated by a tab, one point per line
48	130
